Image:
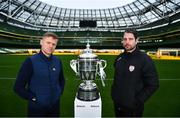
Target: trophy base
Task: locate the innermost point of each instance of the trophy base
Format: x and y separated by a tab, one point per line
87	109
88	95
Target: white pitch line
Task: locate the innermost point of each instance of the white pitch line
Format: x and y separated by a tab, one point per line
7	78
2	66
11	78
159	79
168	79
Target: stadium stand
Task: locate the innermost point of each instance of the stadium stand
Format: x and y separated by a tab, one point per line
23	22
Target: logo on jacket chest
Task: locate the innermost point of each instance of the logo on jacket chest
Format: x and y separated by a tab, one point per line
131	68
54	69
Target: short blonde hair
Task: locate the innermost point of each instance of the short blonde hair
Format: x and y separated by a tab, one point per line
50	34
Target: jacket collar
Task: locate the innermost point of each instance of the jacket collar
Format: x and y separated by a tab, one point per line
44	56
133	52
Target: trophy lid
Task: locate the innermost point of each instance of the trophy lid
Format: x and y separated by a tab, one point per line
87	53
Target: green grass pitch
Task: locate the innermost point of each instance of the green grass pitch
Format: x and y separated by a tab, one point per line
165	102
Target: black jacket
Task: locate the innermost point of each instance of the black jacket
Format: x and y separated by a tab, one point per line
135	79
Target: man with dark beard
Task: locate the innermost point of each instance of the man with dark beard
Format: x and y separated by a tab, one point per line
135	78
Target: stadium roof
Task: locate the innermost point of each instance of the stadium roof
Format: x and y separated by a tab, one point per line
37	14
87	4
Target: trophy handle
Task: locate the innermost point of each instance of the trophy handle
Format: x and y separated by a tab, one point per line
103	65
73	64
101	72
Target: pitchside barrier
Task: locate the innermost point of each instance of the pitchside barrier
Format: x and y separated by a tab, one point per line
164	54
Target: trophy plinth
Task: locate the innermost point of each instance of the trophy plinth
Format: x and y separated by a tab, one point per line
88	91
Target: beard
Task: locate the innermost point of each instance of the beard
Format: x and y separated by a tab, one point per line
128	48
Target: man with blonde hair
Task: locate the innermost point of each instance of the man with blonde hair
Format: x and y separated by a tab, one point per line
41	81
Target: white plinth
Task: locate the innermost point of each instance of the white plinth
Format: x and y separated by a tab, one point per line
87	108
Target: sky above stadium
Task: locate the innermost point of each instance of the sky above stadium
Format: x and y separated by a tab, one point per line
87	4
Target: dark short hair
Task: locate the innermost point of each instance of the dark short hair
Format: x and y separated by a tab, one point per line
133	31
50	34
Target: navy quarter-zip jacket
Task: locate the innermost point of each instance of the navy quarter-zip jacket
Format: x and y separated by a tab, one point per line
42	78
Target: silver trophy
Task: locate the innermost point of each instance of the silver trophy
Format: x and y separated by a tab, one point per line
87	67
